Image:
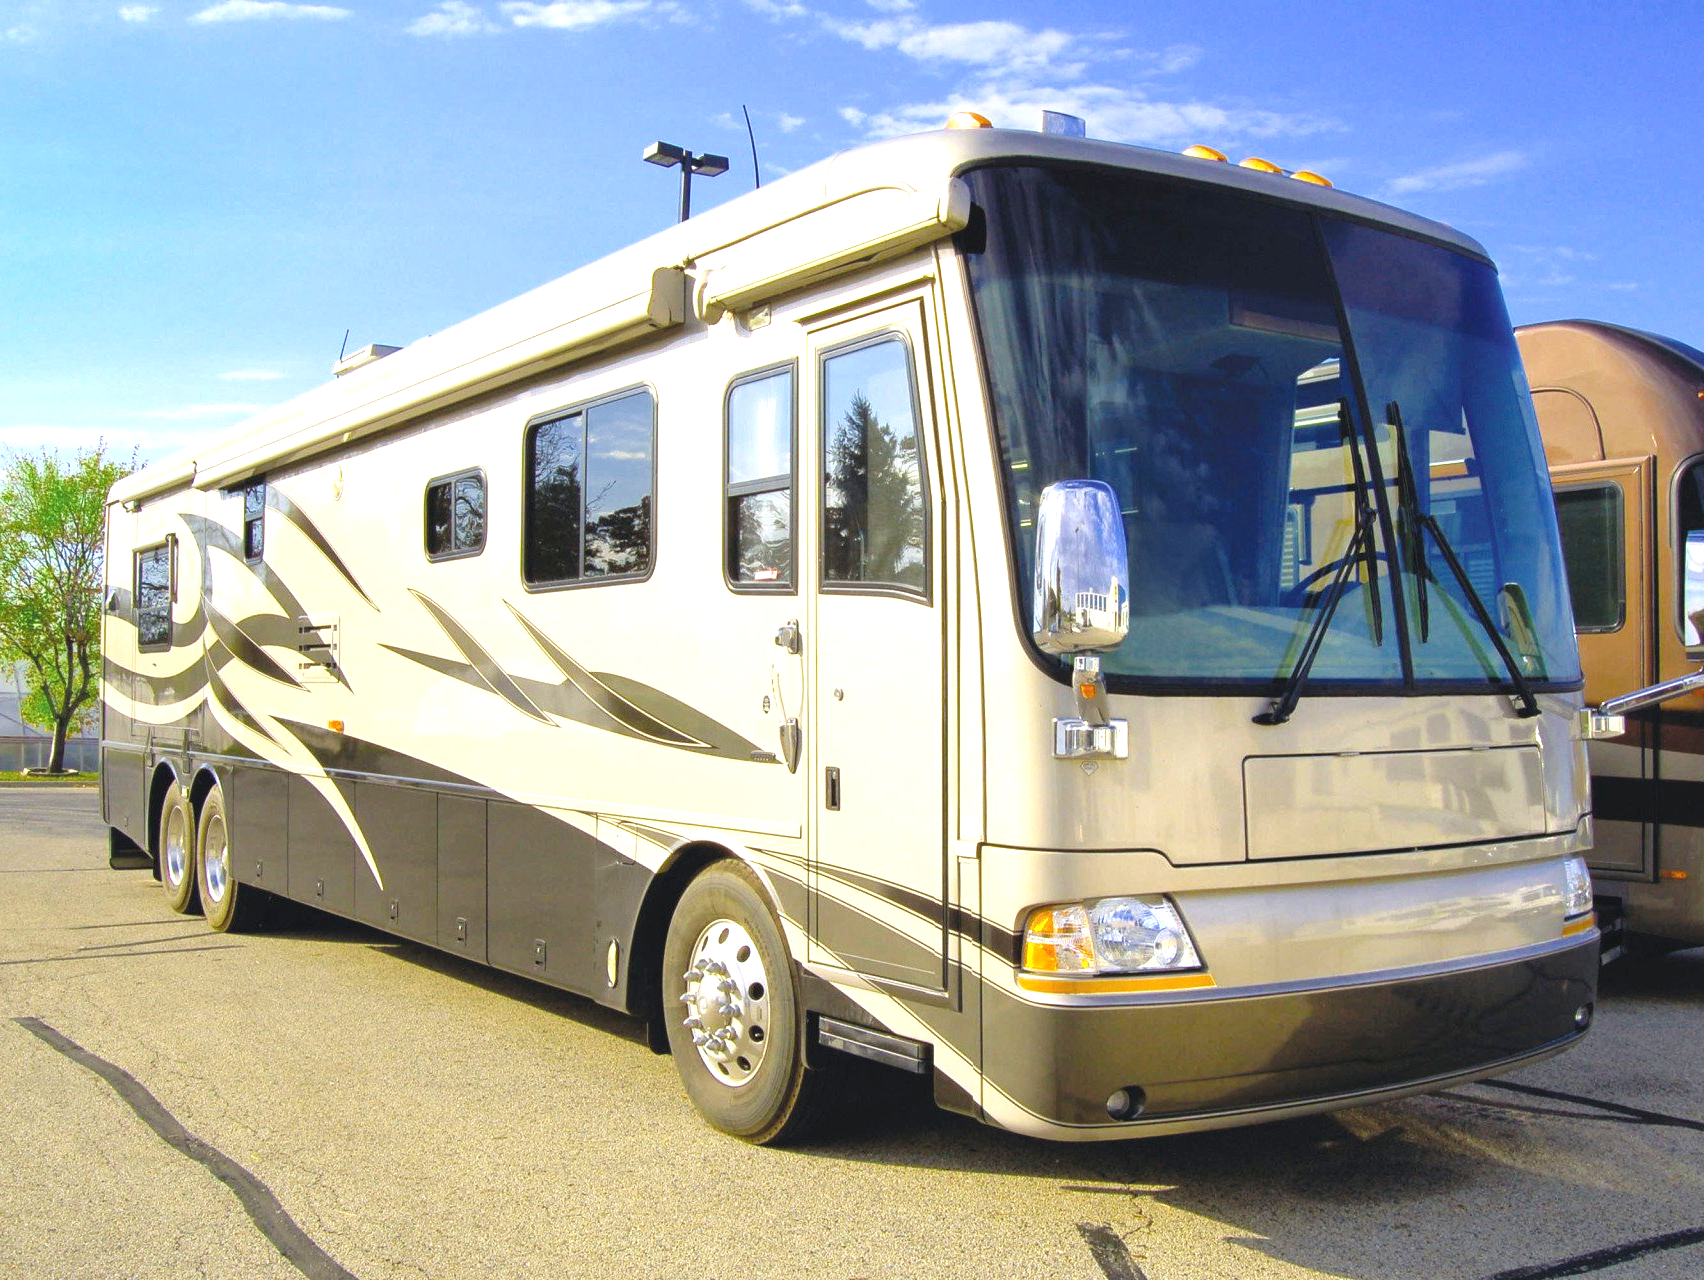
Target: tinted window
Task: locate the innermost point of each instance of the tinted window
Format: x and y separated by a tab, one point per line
455	516
154	598
590	479
254	521
1590	519
759	534
873	498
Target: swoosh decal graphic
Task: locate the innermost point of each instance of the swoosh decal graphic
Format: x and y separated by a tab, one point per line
281	502
493	676
603	697
246	651
228	701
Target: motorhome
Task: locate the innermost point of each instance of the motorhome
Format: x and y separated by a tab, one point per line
1079	623
1622	417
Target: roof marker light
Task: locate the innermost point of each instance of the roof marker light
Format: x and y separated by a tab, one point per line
1308	175
1199	152
1263	166
969	120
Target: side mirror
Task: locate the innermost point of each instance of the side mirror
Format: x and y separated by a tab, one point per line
1692	592
1082	569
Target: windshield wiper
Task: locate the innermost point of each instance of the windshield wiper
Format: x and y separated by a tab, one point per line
1422	522
1360	549
1409	534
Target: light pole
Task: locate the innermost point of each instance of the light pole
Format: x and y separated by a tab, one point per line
668	155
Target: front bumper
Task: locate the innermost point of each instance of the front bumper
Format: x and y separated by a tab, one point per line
1215	1062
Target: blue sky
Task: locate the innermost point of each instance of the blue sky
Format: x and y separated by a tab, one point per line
197	199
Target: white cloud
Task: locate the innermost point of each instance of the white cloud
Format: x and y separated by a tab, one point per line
21	34
777	9
1622	286
990	44
892	6
251	375
575	15
137	12
1454	177
452	18
196	412
787	123
258	10
1119	113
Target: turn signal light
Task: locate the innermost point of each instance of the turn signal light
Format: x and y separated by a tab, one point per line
1307	175
969	120
1675	874
1199	152
1263	166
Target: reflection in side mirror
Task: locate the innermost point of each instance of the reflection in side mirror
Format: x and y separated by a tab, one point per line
1692	592
1082	569
1515	615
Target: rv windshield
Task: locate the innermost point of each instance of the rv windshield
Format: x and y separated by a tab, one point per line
1186	345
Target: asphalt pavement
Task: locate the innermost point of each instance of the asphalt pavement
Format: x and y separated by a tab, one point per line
321	1100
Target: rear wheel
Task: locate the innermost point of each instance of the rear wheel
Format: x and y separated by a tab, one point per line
177	851
230	907
732	1011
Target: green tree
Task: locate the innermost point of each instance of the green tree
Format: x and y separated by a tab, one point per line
51	574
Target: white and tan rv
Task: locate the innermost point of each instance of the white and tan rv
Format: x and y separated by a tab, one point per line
1080	623
1622	418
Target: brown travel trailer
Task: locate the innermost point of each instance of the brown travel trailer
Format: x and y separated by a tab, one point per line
1621	413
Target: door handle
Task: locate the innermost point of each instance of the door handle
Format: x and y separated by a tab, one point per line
788	637
831	788
792	741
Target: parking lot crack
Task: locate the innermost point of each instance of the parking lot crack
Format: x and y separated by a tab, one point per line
262	1206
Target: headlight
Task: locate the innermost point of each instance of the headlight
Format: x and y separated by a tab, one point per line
1579	888
1109	935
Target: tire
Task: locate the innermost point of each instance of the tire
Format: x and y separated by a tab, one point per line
230	907
177	851
744	1071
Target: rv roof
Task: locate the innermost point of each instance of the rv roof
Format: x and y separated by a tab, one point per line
640	288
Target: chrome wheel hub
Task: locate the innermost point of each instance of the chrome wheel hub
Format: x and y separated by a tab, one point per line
216	858
727	1003
177	848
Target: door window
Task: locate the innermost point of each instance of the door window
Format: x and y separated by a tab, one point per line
1590	520
875	503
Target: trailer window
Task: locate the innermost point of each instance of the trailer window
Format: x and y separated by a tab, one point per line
1591	524
455	516
254	522
154	598
1688	527
874	503
759	481
591	475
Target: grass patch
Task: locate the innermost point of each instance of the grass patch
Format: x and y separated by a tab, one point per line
72	778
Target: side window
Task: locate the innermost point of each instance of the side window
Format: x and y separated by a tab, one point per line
455	516
758	535
874	502
590	477
1688	553
254	521
1589	517
154	597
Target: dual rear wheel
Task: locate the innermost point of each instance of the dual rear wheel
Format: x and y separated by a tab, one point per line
196	866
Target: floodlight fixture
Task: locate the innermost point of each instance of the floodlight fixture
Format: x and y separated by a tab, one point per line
668	155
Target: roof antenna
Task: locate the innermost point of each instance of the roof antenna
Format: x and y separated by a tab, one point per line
341	351
754	169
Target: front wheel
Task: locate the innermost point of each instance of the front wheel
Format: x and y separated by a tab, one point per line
732	1011
230	907
177	851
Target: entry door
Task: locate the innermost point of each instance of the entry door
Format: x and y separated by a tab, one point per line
1603	509
877	639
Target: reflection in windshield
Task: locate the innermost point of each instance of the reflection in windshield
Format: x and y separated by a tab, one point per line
1183	345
